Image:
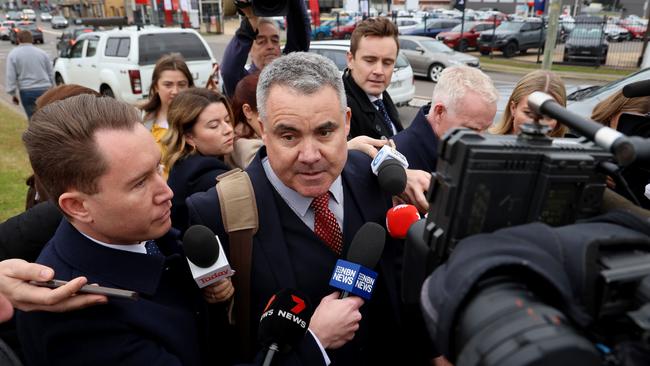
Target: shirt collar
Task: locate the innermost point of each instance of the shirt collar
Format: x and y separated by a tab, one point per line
373	98
299	203
135	248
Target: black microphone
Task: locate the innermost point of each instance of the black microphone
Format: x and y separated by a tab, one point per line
389	165
284	322
205	256
354	274
624	149
637	89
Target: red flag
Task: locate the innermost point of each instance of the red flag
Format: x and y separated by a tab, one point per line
315	12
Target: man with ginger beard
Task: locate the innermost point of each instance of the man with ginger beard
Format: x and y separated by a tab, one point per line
371	61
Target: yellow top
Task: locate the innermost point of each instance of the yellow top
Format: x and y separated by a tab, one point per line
158	133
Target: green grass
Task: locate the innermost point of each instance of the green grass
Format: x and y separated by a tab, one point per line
555	67
14	165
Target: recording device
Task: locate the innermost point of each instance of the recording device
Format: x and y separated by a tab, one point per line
355	274
284	322
265	8
399	219
486	182
536	295
91	289
637	89
625	149
205	256
389	166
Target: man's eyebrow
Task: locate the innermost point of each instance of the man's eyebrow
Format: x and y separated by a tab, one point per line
329	125
282	127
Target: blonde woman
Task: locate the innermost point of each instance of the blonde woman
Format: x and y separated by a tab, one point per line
517	112
200	135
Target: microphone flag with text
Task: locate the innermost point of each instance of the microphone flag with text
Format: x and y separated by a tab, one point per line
205	256
389	166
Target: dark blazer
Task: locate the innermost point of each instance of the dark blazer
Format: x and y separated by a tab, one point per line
165	326
418	143
195	173
287	254
24	235
366	119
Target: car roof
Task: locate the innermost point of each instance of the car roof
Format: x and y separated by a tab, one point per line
416	38
129	30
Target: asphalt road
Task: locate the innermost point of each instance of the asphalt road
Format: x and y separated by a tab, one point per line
423	88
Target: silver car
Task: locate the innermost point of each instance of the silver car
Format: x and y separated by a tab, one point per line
429	57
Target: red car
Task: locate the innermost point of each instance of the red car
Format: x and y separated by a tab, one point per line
471	32
636	31
344	31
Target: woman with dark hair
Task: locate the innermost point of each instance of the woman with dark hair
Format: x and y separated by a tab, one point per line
170	76
200	135
247	124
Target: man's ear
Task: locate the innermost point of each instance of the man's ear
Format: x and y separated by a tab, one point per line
348	118
349	57
73	204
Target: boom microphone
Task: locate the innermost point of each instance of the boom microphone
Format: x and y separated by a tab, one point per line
389	166
624	148
284	322
205	256
399	219
355	275
637	89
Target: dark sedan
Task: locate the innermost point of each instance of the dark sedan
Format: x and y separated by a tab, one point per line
586	45
432	27
37	34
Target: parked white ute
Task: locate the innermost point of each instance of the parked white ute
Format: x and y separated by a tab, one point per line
120	62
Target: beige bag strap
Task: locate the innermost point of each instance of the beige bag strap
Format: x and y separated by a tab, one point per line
239	215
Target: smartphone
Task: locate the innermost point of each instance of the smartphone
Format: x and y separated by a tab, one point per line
91	289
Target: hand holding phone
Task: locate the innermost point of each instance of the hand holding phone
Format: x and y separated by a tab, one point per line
92	289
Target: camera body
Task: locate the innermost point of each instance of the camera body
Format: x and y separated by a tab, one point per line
266	8
487	182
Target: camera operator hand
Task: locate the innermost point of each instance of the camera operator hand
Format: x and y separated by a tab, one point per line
247	10
417	183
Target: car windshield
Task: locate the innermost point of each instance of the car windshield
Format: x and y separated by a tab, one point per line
638	76
401	61
58	17
435	46
586	33
510	26
152	46
27	26
79	31
466	27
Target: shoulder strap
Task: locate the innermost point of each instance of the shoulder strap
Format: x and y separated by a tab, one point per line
239	215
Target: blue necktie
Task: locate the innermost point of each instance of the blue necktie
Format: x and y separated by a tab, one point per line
387	121
152	248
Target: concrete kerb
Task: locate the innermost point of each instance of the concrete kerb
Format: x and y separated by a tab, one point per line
564	74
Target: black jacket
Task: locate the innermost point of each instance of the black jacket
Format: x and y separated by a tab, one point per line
24	235
366	119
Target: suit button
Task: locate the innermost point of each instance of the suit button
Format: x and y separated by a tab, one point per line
377	128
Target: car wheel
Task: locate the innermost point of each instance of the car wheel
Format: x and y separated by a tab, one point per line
347	36
510	49
434	72
462	46
484	52
107	91
523	51
565	57
320	35
58	79
603	60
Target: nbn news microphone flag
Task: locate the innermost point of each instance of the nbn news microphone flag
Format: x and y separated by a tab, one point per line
353	278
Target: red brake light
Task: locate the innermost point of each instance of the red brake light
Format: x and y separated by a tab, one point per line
136	82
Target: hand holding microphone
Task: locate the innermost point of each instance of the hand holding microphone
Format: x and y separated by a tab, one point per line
335	320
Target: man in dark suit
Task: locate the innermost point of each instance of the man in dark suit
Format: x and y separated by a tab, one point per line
371	60
312	197
101	167
463	97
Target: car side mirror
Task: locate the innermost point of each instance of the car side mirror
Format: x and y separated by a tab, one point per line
419	49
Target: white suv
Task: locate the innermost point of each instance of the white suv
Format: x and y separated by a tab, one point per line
120	63
402	85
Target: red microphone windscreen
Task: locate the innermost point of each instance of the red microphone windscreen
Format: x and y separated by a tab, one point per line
399	219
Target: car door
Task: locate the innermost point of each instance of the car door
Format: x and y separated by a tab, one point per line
88	71
75	74
417	59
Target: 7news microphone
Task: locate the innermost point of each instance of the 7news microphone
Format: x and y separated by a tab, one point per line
205	256
284	322
354	275
389	166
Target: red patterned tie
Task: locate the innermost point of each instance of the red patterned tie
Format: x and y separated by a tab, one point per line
325	225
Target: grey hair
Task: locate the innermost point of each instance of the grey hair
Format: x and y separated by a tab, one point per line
267	21
456	81
303	72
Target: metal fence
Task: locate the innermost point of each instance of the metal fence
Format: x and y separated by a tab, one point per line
590	42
